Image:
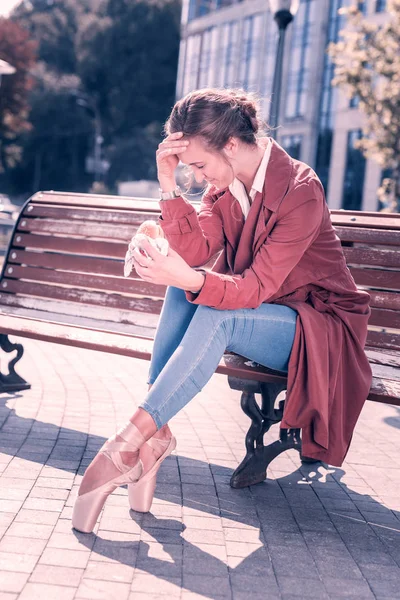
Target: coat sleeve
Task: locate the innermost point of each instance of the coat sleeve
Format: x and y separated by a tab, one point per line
196	237
295	230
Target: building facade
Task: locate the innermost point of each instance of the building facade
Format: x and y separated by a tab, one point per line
226	43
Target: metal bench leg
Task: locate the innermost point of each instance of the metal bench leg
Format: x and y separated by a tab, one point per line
253	468
12	382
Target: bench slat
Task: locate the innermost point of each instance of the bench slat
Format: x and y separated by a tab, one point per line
97	201
76	295
379	237
383	357
362	219
384	299
384	318
117	216
376	278
84	264
95	316
86	280
372	256
383	339
69	228
67	245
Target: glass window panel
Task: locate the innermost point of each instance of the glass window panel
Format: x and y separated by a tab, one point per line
300	57
353	183
292	145
328	97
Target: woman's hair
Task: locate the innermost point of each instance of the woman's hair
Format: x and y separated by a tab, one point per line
216	115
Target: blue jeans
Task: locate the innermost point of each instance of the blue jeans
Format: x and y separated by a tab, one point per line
191	340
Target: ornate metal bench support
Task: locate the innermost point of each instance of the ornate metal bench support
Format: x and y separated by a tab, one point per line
12	382
253	468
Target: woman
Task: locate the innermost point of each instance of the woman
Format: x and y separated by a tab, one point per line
279	293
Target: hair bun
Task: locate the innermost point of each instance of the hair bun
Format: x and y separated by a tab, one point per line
249	112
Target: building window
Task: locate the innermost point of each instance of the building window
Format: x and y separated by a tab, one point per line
380	6
300	56
206	57
353	183
225	75
354	102
191	64
362	6
181	69
249	64
199	8
328	98
292	145
267	75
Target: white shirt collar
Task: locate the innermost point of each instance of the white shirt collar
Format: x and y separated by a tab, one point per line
238	189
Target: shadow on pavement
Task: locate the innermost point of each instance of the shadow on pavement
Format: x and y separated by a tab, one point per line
310	523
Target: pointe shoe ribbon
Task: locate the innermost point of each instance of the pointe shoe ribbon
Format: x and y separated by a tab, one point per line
112	449
141	493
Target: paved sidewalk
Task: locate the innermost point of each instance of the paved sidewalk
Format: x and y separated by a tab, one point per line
312	533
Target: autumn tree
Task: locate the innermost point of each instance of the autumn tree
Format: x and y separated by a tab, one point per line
17	49
367	67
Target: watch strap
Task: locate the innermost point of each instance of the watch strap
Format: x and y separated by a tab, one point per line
170	195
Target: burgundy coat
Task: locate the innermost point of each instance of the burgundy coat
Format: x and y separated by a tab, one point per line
287	252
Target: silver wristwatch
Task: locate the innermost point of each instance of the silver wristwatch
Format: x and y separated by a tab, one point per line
170	195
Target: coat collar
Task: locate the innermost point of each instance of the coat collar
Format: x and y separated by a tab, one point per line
277	178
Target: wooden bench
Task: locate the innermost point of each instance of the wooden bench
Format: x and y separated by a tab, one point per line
62	281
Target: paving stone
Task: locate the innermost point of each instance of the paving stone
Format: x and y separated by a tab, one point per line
348	588
245	583
12	581
57	575
109	572
39	591
385	589
20	563
168	587
30	530
305	588
64	558
39	517
20	545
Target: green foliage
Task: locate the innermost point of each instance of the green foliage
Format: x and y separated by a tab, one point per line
116	55
128	63
19	51
56	146
367	61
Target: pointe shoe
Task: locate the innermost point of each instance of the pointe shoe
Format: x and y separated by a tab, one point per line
141	493
88	505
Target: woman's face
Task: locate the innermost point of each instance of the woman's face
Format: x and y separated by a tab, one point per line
206	165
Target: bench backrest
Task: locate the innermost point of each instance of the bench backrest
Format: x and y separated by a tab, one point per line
67	250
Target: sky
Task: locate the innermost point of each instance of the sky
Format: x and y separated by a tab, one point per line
6	6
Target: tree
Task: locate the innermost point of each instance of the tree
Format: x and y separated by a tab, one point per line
17	49
55	148
118	61
128	64
367	67
54	24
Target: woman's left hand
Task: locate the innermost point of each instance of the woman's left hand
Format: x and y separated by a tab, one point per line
166	270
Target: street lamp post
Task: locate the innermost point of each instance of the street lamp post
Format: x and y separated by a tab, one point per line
284	12
98	138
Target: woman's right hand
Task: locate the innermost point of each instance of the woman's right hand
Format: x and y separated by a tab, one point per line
167	159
